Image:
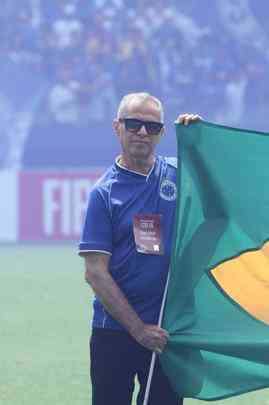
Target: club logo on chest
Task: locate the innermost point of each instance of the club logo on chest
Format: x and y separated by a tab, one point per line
168	190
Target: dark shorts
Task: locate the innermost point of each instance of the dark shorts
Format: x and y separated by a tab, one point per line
116	359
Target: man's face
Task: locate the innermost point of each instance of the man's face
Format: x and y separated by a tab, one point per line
139	145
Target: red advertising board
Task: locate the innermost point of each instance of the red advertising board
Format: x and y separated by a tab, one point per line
52	204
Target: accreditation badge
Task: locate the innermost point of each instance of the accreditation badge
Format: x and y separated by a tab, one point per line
148	233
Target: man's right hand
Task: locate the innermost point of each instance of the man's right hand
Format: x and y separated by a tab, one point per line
152	337
97	275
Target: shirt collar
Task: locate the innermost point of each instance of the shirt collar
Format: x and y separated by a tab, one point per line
146	176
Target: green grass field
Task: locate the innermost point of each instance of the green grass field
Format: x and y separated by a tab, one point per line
44	318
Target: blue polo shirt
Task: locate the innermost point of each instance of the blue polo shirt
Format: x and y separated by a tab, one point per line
113	202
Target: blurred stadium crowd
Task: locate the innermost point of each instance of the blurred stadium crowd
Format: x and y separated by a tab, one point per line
66	63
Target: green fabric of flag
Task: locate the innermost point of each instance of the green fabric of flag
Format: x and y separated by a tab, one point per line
217	308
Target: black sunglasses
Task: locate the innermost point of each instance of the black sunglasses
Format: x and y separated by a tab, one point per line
134	125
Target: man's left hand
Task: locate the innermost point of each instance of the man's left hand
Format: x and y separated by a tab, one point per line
187	118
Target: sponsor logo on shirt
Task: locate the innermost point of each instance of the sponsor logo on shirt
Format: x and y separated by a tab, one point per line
168	190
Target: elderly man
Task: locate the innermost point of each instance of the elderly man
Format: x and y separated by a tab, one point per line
126	243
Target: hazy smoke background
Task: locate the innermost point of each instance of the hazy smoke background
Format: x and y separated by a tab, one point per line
65	64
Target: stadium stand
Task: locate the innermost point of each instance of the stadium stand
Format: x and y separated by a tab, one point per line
68	62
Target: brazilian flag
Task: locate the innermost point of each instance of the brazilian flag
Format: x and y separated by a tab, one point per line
217	308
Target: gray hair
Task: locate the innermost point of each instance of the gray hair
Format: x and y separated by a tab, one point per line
143	97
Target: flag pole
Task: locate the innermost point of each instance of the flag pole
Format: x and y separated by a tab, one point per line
153	358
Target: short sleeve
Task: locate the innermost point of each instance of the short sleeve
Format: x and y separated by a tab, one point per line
97	229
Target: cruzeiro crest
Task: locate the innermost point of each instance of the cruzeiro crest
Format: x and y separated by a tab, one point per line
168	190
